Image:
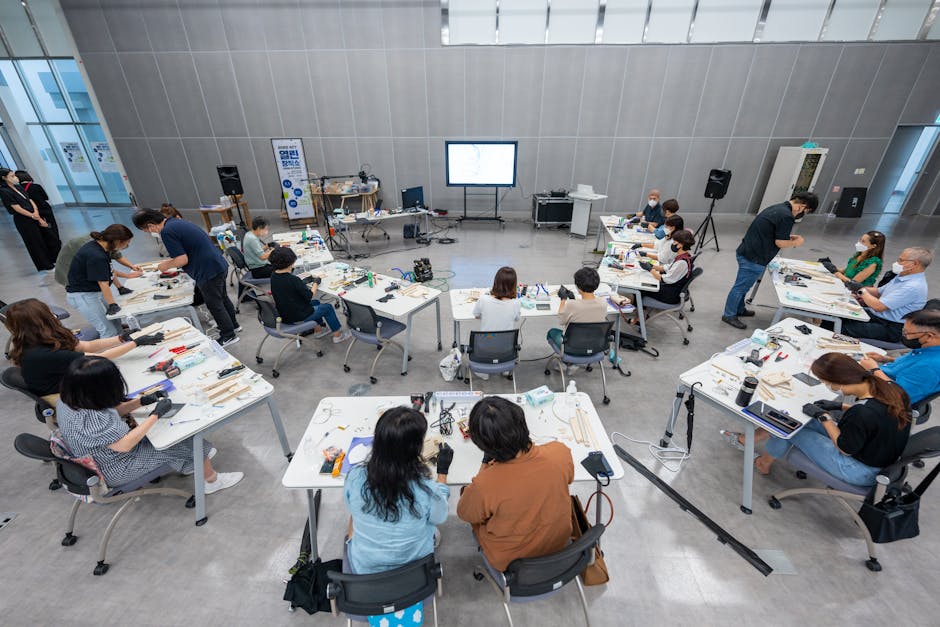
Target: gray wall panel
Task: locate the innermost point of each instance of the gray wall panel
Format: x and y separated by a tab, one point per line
522	98
164	25
860	154
242	22
362	24
322	24
368	82
561	91
600	97
283	28
342	157
924	106
412	166
484	92
331	93
643	82
847	93
174	172
203	155
257	94
724	84
704	154
627	173
239	151
745	157
664	170
403	24
685	77
379	154
126	25
141	170
765	89
813	72
445	69
88	26
592	165
182	83
104	71
267	171
294	93
202	20
556	163
407	89
149	95
890	90
221	94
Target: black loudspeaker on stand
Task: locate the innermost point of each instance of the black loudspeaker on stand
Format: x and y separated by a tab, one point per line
715	188
232	187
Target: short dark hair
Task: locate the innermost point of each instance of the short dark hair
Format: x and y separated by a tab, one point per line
671	205
498	428
282	257
23	176
809	199
258	223
93	382
505	283
145	217
925	318
676	222
587	280
683	237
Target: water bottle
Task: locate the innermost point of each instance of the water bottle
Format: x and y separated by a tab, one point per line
47	415
303	236
371	280
132	324
572	398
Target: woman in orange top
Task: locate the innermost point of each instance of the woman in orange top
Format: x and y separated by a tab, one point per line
518	503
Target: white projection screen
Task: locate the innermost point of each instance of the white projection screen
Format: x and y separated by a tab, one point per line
481	163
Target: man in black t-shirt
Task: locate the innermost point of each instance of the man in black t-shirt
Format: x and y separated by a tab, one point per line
767	234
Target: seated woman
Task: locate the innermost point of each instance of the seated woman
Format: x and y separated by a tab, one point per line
872	433
254	248
294	298
394	505
518	504
662	248
500	310
670	208
672	275
94	397
865	265
44	349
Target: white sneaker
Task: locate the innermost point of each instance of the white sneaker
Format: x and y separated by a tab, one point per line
224	480
229	341
342	337
323	332
238	329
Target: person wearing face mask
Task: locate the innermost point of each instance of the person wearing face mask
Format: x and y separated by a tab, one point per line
652	212
673	274
670	208
887	305
767	234
27	220
64	261
871	434
865	265
918	371
664	250
256	251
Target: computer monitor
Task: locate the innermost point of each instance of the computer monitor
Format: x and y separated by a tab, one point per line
412	197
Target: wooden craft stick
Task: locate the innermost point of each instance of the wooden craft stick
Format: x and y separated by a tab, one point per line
148	330
726	371
216	384
232	395
222	391
586	427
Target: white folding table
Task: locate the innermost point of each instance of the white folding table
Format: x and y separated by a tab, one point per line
618	230
311	253
632	279
366	217
155	298
822	296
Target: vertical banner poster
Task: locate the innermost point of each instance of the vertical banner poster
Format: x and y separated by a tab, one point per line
101	151
292	172
74	157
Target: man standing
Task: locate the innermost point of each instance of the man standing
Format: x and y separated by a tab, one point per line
653	211
768	233
192	250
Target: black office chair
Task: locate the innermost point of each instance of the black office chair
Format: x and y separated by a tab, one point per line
583	344
247	284
493	352
360	596
85	485
12	378
890	482
530	577
368	327
673	311
273	327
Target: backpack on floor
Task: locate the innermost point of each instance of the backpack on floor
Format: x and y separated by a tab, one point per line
306	588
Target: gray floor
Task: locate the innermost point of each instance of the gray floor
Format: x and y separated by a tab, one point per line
666	568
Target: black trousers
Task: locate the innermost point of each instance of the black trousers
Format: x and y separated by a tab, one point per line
875	329
262	272
51	235
215	297
35	241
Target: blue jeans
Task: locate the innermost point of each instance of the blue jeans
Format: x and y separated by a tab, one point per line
815	443
324	311
93	308
748	273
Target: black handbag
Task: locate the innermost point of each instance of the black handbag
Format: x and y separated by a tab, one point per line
896	518
306	588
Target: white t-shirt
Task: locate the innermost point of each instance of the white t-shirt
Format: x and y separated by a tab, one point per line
497	315
663	248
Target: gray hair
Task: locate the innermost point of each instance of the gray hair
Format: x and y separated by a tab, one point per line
921	255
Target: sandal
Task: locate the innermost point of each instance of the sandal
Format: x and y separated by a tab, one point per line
733	438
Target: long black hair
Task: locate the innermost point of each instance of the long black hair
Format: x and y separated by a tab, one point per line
395	466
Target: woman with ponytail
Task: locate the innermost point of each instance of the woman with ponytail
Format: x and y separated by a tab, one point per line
89	280
871	434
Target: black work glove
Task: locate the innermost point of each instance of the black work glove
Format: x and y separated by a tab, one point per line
641	253
113	308
634	219
150	399
831	267
635	246
445	456
564	293
813	411
646	265
163	406
149	340
829	405
124	291
853	286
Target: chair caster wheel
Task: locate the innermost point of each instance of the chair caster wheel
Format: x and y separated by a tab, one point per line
589	368
800	474
607	400
101	568
663	443
685	341
689	328
873	565
345	368
372	380
275	374
478	576
405	373
746	510
54	484
774	503
319	353
69	539
691	308
409	357
191	502
919	463
547	372
259	360
440	347
202	521
681	316
237	311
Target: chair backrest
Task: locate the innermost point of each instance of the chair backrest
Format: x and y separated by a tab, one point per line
922	408
360	318
532	576
587	338
267	313
385	592
12	378
493	347
238	259
73	476
696	273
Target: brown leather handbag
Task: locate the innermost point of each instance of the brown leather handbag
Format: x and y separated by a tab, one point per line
595	573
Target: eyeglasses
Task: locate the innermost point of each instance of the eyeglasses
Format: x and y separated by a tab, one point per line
915	334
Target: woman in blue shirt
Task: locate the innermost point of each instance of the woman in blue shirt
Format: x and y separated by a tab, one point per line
394	504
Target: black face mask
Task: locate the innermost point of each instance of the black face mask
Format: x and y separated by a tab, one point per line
911	342
799	216
674	248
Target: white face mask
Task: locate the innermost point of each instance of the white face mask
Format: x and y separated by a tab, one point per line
897	268
653	203
668	232
860	247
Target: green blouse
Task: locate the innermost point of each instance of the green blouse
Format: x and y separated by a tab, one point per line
854	266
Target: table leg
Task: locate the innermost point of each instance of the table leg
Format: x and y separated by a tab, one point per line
617	340
427	222
407	345
456	334
199	480
639	313
777	316
313	514
437	312
208	222
600	233
194	318
747	485
673	415
837	325
279	428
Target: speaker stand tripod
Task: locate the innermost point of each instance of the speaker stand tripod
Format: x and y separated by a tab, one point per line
701	233
236	202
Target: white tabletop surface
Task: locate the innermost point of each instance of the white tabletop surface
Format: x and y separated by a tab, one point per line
629	234
312	252
586	195
381	215
400	305
632	276
828	294
722	388
197	414
463	300
179	289
360	413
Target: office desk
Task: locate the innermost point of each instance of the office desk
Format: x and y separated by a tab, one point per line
617	230
828	297
312	253
142	305
198	418
547	423
225	213
335	274
631	280
717	381
367	199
